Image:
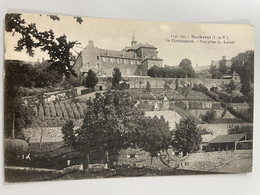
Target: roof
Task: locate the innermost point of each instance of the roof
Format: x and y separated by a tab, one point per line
137	46
156	59
118	54
206	138
228	138
235	73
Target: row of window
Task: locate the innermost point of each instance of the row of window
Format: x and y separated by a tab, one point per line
118	60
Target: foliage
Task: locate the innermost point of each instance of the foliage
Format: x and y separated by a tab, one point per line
176	84
166	72
199	87
166	85
14	108
185	64
148	86
124	85
58	48
229	88
156	136
209	116
222	66
91	79
215	74
116	78
243	64
242	129
14	149
186	136
110	121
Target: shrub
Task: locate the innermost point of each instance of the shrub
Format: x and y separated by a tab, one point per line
41	112
80	109
75	110
209	116
58	110
69	110
64	111
15	148
86	91
46	110
52	108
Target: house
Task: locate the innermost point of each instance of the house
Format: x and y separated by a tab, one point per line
239	106
134	60
226	142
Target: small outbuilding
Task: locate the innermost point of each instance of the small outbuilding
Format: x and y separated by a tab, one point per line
226	142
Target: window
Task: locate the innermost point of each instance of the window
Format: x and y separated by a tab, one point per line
97	57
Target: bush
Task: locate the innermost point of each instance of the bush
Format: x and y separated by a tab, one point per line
240	115
80	109
41	112
200	87
58	110
52	108
86	91
75	110
15	148
63	110
69	110
210	116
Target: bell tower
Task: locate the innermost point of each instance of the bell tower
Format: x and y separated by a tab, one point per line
133	42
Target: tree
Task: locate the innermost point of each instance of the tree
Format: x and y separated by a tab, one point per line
111	123
243	64
58	48
156	136
229	88
222	66
215	74
186	136
116	78
176	84
148	86
185	64
16	114
91	79
210	116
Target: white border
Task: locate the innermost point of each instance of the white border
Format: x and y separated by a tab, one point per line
218	11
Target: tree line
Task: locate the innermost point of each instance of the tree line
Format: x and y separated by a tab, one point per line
184	70
112	122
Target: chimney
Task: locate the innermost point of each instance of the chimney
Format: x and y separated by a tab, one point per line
91	43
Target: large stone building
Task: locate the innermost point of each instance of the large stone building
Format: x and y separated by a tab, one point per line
134	60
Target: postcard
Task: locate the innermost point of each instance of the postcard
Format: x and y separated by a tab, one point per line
92	98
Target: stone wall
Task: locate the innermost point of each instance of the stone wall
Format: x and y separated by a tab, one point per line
159	82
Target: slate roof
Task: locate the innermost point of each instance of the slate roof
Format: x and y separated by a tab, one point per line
228	138
118	54
137	46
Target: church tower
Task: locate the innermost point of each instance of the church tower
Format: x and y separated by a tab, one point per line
133	42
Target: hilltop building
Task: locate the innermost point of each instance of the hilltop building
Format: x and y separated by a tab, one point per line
134	60
228	63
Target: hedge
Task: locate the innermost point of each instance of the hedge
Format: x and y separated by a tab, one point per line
41	112
69	110
46	110
80	109
75	110
52	108
58	110
64	111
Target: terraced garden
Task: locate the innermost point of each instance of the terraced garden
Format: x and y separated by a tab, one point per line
60	109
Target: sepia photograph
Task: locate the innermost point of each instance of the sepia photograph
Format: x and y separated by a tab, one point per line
88	98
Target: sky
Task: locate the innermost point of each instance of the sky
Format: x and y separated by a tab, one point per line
117	34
